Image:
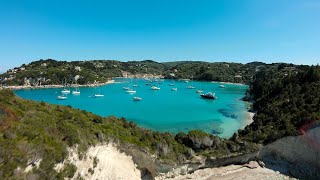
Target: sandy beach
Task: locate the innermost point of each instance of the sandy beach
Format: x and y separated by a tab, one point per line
102	162
248	120
56	86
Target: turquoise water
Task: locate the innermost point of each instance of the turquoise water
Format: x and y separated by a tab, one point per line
162	110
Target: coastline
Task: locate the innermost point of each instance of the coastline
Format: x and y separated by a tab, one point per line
228	83
56	86
248	119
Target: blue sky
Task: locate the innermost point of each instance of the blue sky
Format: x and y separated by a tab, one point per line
162	30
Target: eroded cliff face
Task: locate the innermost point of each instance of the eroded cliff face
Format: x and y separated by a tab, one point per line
297	156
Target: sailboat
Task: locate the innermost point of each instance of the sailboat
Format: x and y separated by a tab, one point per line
131	90
171	84
191	87
97	95
77	91
137	98
65	90
155	88
62	97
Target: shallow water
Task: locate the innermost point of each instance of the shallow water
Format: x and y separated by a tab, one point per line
162	110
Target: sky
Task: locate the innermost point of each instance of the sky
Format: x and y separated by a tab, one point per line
161	30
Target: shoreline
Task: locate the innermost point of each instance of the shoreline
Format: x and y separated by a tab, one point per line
228	83
248	119
56	86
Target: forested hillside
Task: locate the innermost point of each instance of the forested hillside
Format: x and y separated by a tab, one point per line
49	72
285	98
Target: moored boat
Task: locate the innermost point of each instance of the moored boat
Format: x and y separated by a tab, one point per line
62	97
155	88
190	87
65	91
131	91
76	92
199	91
137	98
222	86
174	89
98	95
208	95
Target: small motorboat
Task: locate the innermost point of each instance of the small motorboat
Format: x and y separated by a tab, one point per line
209	95
62	97
125	88
135	85
171	84
190	87
222	86
65	91
174	89
98	95
186	81
155	88
199	91
137	98
131	91
159	82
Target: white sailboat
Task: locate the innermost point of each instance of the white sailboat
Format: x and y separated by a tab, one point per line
191	87
77	91
97	95
62	97
65	90
155	88
131	91
137	98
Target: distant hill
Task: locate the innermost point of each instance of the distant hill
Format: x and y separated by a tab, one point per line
48	72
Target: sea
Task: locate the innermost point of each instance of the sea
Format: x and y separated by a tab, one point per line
162	110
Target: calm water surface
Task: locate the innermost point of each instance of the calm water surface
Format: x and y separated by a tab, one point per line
162	110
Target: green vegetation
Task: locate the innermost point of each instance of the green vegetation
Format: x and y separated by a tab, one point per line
285	98
48	72
30	131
